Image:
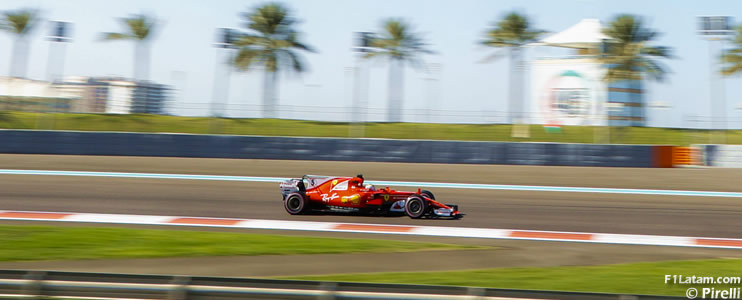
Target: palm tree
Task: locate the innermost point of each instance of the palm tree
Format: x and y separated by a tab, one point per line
628	58
401	45
138	28
733	57
20	23
512	33
272	44
627	55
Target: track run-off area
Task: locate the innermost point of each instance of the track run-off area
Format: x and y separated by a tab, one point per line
458	232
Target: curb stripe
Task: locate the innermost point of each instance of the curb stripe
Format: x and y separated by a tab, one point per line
719	242
488	233
532	188
552	235
204	221
32	215
372	227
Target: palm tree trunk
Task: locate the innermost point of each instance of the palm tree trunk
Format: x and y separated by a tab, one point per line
141	61
515	90
19	59
394	107
269	94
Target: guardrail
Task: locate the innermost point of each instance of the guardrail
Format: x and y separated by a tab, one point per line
69	285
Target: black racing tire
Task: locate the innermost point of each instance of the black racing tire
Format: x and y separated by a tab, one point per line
415	207
295	204
428	194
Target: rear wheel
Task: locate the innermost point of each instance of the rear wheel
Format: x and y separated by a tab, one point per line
415	207
295	204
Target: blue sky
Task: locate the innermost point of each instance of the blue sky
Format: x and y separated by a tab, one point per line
183	54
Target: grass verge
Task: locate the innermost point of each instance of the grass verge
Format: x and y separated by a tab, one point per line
636	278
24	243
276	127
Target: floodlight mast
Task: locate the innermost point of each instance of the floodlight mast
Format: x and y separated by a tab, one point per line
716	29
362	45
59	37
225	44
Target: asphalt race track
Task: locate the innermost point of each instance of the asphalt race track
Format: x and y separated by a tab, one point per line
559	211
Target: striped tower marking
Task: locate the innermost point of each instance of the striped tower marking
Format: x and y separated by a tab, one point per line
489	233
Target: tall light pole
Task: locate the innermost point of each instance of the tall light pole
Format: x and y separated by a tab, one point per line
59	37
224	44
716	29
358	118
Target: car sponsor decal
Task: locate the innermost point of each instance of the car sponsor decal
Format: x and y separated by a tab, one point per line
354	199
342	186
326	198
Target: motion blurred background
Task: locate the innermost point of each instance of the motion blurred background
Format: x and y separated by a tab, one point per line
551	119
472	62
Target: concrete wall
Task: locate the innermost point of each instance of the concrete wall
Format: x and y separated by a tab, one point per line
381	150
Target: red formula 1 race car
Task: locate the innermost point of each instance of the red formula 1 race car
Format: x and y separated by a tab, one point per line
349	194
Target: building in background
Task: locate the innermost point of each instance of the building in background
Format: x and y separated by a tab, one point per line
149	98
113	95
109	95
32	95
570	90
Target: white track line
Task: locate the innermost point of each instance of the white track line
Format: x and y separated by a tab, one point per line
562	236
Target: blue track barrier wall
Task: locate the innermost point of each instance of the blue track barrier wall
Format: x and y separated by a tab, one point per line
337	149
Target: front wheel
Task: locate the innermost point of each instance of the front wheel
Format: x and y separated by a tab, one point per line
295	204
415	207
428	194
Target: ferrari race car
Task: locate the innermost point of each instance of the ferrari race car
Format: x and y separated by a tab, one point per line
349	194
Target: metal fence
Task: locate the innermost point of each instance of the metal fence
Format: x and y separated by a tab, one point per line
458	115
69	285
